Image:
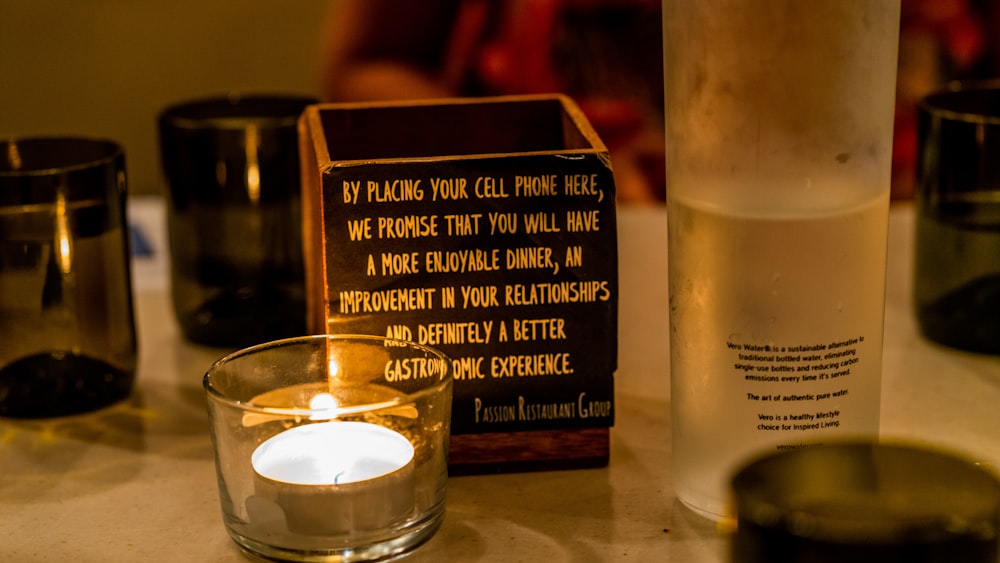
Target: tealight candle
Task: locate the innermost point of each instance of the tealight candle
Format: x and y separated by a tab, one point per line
322	457
337	477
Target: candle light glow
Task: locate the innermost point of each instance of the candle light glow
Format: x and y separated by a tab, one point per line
323	407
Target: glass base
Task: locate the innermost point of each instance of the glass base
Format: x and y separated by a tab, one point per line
244	318
60	383
965	318
407	540
706	508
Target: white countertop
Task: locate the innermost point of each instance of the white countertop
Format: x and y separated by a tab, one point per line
136	482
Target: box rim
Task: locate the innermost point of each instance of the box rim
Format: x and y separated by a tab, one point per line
311	116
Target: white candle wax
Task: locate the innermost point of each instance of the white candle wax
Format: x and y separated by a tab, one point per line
337	477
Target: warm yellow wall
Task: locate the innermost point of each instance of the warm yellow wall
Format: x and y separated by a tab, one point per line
106	67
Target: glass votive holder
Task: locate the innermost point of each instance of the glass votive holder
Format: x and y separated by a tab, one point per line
865	502
331	448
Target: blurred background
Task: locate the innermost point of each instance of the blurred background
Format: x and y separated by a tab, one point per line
106	67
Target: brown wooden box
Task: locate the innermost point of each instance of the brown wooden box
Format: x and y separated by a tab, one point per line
484	227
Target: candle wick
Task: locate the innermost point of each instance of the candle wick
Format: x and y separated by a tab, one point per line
336	478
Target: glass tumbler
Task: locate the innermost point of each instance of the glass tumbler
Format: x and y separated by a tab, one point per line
331	448
956	285
234	218
865	502
779	121
67	332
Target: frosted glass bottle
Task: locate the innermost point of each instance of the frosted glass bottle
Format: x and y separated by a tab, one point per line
779	121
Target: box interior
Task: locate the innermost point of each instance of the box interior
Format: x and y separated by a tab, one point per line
435	130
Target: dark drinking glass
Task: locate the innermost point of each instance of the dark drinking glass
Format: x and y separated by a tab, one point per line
234	218
957	263
67	333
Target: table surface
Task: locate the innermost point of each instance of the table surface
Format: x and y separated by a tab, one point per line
136	482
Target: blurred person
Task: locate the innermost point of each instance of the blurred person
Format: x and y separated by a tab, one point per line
606	55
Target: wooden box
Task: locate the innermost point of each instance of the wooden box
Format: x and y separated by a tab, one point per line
484	227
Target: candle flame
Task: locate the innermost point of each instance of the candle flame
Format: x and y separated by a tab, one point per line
324	407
